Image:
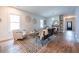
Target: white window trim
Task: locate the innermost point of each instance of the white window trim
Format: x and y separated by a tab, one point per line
14	22
41	23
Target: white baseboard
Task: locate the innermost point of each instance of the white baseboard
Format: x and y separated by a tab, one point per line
4	38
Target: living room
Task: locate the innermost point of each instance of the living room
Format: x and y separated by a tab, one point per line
25	27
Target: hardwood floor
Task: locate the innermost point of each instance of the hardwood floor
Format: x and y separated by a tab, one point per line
27	45
62	43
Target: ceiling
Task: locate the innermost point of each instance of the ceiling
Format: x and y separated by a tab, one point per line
48	11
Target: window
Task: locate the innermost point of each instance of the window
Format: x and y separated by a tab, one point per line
14	22
55	20
41	23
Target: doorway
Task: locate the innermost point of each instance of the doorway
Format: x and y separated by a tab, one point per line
69	25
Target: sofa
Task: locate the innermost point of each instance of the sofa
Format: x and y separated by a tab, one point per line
19	34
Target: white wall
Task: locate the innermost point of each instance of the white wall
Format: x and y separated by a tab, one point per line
4	24
77	21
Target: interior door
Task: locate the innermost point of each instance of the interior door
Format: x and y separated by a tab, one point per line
69	25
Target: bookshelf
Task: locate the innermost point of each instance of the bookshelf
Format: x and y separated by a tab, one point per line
61	23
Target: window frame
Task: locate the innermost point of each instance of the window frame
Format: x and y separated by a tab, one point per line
41	23
15	21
